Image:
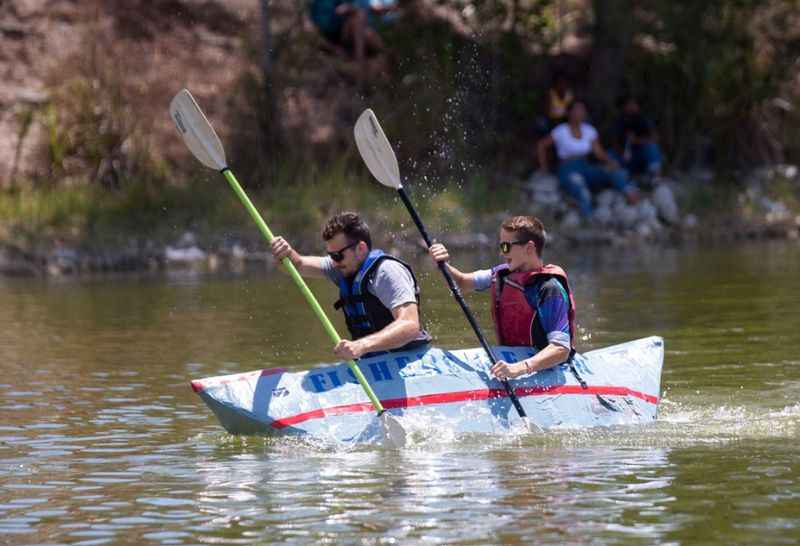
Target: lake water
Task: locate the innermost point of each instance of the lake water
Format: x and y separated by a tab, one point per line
103	441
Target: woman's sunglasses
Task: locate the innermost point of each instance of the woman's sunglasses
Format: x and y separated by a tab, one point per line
505	246
338	255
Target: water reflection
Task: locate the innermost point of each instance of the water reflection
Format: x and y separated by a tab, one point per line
470	493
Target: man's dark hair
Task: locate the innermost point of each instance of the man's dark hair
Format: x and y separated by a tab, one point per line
349	223
527	228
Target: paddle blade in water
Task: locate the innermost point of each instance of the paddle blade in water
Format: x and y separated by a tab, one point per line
197	132
531	426
376	151
393	431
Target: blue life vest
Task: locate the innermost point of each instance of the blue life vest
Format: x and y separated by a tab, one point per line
363	311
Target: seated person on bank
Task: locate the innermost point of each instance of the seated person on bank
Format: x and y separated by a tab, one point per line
532	304
352	24
575	141
378	293
636	148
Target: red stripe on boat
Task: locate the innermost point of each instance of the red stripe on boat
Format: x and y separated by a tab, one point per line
462	396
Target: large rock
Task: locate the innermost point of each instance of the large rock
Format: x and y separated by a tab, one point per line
543	192
776	211
626	216
63	260
186	251
608	199
571	221
602	216
192	254
647	212
664	201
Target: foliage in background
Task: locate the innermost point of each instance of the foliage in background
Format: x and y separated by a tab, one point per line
714	73
92	131
465	91
459	103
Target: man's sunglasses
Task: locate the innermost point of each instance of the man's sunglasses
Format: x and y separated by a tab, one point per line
505	246
338	255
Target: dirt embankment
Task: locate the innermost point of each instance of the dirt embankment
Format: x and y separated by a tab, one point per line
154	47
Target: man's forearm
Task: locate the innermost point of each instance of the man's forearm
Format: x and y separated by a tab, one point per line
307	266
395	335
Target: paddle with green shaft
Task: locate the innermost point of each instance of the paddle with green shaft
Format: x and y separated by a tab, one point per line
202	140
377	153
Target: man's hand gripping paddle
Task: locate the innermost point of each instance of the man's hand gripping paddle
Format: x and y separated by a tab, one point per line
200	138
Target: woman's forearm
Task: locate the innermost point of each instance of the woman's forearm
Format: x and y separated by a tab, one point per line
464	281
546	358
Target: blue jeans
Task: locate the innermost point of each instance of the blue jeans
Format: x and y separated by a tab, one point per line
578	178
324	16
644	158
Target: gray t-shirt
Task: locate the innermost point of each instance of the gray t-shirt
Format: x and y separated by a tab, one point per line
391	283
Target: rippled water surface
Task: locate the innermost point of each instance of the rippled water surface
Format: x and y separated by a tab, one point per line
103	441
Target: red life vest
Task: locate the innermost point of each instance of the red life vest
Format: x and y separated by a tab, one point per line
515	320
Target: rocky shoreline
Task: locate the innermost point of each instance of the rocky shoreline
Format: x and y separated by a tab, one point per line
664	216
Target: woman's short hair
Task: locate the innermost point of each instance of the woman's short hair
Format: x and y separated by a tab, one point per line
527	228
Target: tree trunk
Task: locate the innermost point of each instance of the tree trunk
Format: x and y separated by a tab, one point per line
269	122
266	42
612	36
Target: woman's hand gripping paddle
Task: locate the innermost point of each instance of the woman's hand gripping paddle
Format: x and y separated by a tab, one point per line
200	138
377	153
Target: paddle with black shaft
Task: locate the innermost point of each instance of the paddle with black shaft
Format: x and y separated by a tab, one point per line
377	153
202	140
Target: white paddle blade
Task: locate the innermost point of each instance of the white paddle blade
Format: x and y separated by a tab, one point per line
376	151
531	426
393	431
197	132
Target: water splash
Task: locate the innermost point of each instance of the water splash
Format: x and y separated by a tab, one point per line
680	424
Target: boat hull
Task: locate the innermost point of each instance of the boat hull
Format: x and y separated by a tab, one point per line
622	386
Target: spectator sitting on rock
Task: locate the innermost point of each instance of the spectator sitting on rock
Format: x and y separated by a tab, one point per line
574	141
351	24
636	148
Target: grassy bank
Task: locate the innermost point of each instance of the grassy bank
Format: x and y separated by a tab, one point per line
295	202
68	229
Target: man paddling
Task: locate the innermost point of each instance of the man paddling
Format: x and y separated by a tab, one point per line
377	292
532	302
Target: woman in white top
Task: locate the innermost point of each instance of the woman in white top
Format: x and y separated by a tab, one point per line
575	140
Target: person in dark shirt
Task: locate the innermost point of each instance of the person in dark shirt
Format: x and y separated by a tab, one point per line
636	148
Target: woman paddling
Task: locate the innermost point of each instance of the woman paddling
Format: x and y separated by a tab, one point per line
532	302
